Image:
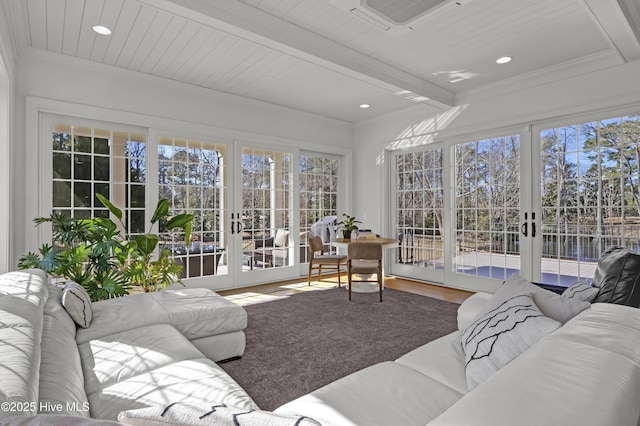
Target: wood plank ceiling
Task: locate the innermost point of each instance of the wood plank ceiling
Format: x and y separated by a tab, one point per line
314	56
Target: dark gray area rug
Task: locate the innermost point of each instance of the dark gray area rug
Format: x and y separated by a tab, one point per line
305	341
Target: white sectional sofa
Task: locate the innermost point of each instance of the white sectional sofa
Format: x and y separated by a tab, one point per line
587	372
144	353
139	351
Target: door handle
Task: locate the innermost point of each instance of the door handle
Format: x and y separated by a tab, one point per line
524	227
235	220
232	222
533	225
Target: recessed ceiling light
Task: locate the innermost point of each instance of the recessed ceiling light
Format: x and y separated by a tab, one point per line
503	60
364	106
101	30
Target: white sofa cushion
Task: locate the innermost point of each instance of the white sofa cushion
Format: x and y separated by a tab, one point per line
191	381
120	356
555	382
500	335
384	394
77	302
139	310
61	378
441	360
200	312
222	346
23	295
606	325
195	312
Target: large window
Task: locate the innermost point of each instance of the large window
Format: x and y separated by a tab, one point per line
89	161
590	176
318	200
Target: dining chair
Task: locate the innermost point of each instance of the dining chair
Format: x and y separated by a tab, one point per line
364	258
318	261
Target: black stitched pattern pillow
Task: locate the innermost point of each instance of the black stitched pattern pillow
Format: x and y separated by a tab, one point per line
499	335
213	414
582	290
77	303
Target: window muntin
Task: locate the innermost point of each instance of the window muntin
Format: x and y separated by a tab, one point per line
420	208
318	199
487	207
590	196
192	176
88	161
266	206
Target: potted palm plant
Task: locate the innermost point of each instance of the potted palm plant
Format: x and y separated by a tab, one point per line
105	260
348	225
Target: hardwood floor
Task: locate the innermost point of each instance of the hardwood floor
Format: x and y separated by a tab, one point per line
271	291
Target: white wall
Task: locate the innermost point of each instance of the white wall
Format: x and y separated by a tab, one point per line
142	99
7	78
605	89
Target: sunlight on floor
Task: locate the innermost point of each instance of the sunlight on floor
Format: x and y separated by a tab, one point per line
270	292
274	291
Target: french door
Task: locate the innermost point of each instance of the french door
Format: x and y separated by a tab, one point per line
457	212
589	194
543	203
247	228
264	225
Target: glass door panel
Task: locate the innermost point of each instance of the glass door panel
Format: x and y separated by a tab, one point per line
419	214
590	197
487	208
192	176
318	200
269	236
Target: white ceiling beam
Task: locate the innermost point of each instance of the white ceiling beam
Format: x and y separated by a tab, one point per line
242	20
617	27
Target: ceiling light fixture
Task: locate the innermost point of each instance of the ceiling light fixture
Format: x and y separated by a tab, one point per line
364	106
503	60
101	30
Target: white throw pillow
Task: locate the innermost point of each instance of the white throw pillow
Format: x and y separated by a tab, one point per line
500	334
77	303
215	414
550	304
583	291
